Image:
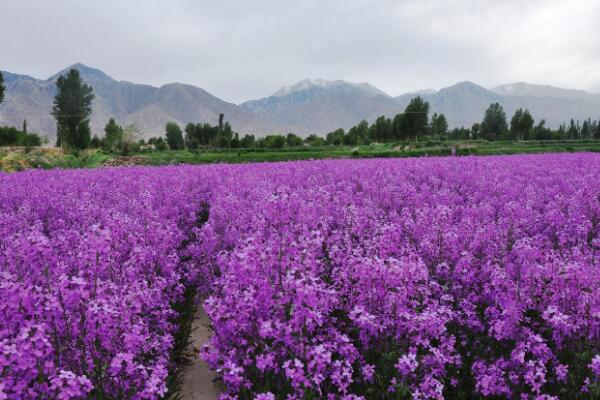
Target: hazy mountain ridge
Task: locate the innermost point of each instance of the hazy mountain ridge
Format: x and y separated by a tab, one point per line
320	108
465	103
317	106
149	107
534	90
307	84
309	106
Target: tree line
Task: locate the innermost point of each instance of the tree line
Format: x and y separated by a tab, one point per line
523	127
11	136
414	124
72	108
201	136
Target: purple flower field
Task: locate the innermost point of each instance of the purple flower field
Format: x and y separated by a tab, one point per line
89	267
430	278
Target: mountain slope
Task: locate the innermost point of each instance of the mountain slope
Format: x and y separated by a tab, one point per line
307	84
150	108
465	103
310	106
532	90
319	106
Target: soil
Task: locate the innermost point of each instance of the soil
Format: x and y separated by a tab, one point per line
125	161
199	381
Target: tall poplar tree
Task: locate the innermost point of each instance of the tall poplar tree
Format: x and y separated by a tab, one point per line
521	124
439	124
72	109
2	88
494	122
174	136
113	135
416	118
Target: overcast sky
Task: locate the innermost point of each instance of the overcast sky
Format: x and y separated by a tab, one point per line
244	49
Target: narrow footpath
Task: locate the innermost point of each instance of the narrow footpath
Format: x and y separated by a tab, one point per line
198	381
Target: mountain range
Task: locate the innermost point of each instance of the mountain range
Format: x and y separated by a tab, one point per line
310	106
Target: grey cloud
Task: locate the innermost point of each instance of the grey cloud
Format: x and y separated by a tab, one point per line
240	49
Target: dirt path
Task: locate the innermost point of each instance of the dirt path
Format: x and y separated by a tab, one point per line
197	378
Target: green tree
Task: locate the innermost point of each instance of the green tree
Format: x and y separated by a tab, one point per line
358	134
336	137
2	88
353	136
113	136
224	135
494	122
415	118
586	129
235	141
521	124
160	144
247	141
439	125
573	132
95	143
11	136
475	131
130	138
72	109
272	141
314	140
174	136
398	127
192	141
381	130
461	133
293	140
540	132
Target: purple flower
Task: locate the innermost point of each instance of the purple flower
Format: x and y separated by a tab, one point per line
320	278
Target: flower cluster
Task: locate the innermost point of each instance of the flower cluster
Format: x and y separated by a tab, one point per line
90	266
419	278
431	278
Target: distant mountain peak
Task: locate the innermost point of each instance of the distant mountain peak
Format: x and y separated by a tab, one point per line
307	84
467	87
149	107
535	90
299	86
87	73
426	91
309	106
466	84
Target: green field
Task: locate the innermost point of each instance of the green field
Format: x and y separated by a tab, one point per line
46	158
